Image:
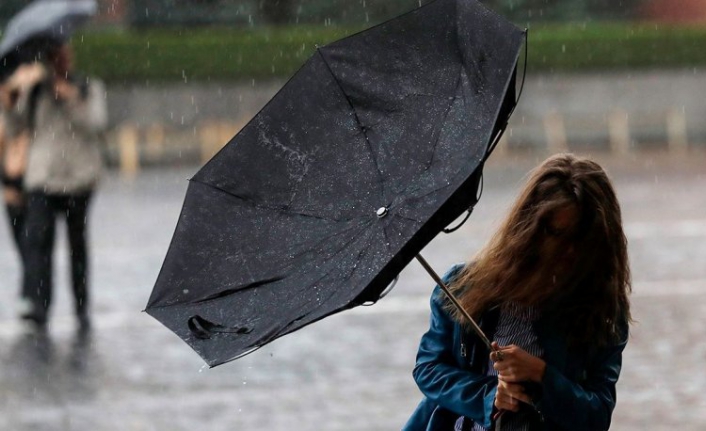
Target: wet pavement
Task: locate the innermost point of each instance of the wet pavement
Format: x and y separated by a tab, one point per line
351	371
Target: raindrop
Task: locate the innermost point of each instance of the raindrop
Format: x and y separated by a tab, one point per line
203	367
185	291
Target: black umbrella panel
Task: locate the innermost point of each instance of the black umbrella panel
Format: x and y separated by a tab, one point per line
362	158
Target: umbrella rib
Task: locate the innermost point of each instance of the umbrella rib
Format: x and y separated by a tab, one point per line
381	181
384	234
324	240
334	234
411	198
446	116
325	274
229	291
261	206
429	164
397	214
357	259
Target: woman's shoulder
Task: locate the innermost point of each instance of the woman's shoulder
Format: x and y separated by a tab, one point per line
449	276
453	272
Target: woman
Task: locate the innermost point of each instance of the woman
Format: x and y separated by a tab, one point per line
551	288
14	145
63	168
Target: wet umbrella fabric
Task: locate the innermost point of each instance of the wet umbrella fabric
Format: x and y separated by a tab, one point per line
38	26
369	150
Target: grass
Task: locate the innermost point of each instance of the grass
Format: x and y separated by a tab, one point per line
231	54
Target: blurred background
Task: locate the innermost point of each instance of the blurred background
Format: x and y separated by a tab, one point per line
621	81
600	73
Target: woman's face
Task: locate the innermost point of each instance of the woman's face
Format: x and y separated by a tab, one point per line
62	60
558	238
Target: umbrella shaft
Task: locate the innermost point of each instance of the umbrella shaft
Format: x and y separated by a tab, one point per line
453	299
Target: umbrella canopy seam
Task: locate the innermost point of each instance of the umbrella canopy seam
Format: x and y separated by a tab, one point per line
363	128
282	209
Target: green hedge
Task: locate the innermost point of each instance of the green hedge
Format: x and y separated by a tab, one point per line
264	53
616	46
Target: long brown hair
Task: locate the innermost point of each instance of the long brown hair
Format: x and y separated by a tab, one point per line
585	282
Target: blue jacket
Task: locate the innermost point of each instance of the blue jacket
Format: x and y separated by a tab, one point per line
577	392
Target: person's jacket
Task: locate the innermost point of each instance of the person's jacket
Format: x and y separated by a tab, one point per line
64	155
577	392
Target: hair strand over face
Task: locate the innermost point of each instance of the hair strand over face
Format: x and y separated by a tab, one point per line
583	281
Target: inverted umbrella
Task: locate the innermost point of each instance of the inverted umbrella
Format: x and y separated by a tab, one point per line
361	159
39	25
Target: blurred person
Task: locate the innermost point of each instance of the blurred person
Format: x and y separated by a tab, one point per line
64	163
14	145
551	288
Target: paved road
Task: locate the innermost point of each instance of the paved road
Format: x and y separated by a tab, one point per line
351	371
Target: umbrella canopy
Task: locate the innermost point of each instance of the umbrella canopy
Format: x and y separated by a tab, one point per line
38	26
370	149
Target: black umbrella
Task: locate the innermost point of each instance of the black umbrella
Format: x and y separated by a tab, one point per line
39	26
361	159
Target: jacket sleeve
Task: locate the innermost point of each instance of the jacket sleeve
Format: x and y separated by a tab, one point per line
17	117
442	380
588	405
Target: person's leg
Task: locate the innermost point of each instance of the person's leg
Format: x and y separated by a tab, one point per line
16	207
77	222
16	218
38	247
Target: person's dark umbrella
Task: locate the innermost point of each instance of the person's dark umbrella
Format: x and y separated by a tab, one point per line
361	159
40	25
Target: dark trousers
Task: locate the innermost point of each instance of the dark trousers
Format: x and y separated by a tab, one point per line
16	217
40	225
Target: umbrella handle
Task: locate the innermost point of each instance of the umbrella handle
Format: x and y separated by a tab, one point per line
455	302
499	354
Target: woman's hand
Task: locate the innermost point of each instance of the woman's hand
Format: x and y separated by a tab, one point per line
65	90
517	365
21	80
510	395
